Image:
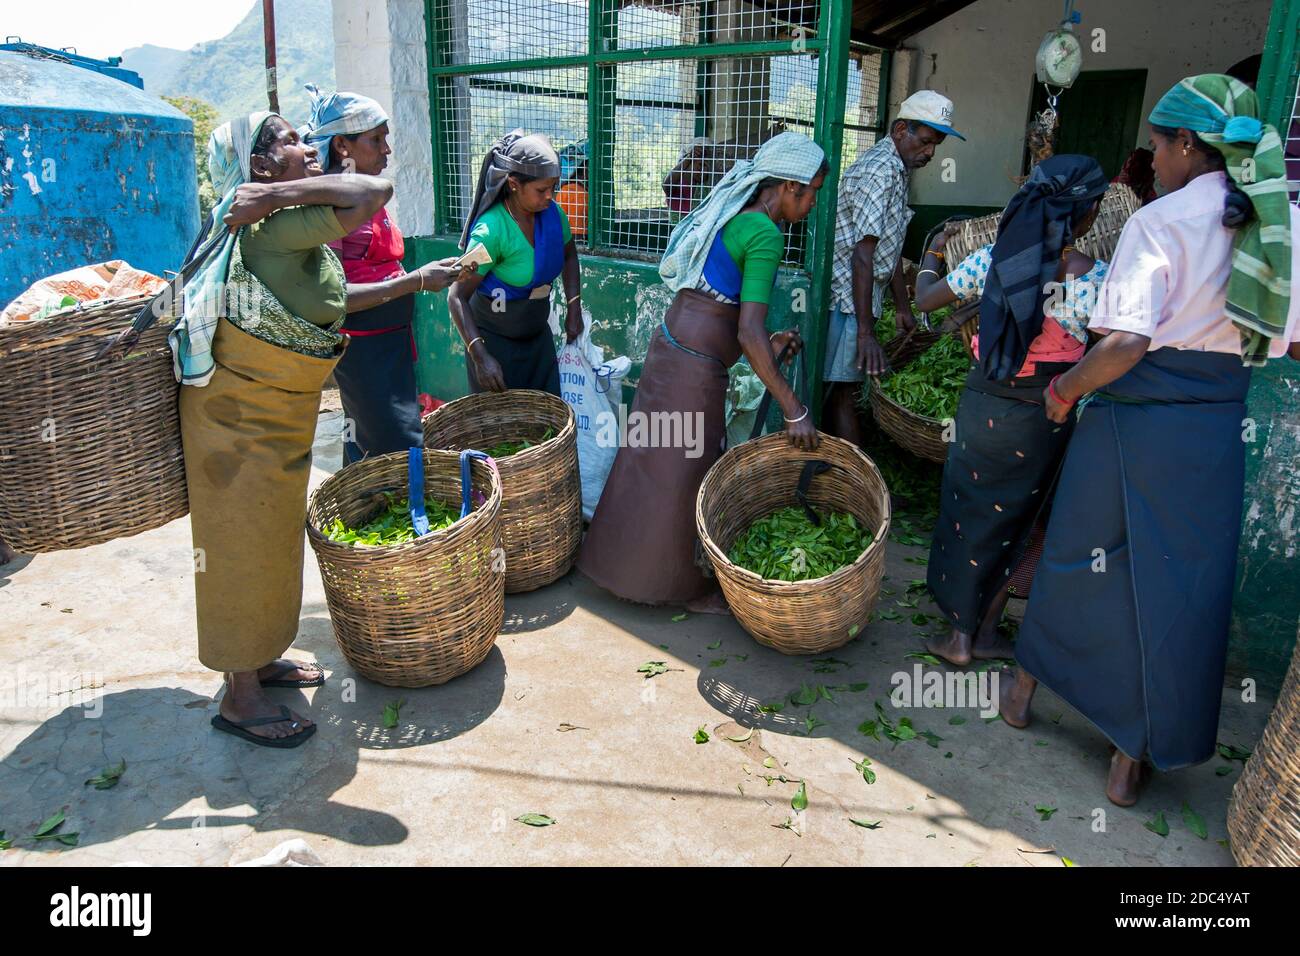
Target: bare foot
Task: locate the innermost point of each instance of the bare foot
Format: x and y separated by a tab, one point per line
992	645
712	603
955	648
1014	697
1124	780
245	700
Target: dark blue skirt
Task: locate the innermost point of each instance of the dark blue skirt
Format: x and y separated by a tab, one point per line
1128	619
376	378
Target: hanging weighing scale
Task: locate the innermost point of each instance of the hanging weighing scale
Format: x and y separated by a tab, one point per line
1058	63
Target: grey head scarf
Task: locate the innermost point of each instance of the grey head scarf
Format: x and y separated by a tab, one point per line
516	152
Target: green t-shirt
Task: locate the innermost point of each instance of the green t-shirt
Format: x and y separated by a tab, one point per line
286	250
512	254
756	245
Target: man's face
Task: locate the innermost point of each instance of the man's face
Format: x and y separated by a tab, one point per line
916	149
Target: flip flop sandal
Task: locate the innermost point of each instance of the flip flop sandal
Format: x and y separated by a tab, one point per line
282	682
237	728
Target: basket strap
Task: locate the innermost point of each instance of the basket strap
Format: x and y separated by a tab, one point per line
415	490
811	469
760	417
466	489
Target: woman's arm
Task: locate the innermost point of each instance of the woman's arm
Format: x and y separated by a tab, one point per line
757	346
430	277
1106	361
487	368
572	275
355	198
932	289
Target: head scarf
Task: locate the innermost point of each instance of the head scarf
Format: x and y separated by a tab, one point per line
336	114
515	152
1139	174
790	156
1225	113
1035	227
230	157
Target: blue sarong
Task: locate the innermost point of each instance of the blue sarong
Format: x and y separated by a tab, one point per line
1152	483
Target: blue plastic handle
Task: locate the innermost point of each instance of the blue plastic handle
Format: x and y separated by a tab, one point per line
465	488
415	491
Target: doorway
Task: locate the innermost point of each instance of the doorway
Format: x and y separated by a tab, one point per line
1100	116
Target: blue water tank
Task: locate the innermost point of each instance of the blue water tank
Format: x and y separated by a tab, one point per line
91	169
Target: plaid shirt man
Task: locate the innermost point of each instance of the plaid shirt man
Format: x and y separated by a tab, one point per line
873	202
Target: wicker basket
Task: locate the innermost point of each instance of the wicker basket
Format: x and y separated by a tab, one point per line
919	434
541	497
416	614
751	481
1117	205
1264	813
89	450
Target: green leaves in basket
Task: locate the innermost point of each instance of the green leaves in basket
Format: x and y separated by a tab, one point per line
786	546
507	448
931	383
393	524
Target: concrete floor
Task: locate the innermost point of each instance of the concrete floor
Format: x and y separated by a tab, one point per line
628	786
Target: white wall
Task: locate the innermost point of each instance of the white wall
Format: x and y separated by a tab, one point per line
379	50
983	59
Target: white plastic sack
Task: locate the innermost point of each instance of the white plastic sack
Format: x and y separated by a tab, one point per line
593	388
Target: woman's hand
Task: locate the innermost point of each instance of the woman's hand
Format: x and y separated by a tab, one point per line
1058	412
486	368
436	276
803	433
573	324
253	202
780	340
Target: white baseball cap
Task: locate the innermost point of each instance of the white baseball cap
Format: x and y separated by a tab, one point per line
931	108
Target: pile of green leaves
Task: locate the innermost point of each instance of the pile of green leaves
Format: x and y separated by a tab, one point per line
507	448
931	383
393	524
786	546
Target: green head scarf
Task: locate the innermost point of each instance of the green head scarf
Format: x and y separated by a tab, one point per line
1225	114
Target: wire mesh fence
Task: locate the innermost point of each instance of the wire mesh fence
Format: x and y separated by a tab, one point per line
669	128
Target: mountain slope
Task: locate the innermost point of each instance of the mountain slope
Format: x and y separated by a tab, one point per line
230	74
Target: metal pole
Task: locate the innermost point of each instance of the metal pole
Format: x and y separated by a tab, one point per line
828	130
268	39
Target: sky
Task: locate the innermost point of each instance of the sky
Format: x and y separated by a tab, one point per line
100	29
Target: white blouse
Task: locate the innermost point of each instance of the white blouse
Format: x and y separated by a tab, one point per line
1169	276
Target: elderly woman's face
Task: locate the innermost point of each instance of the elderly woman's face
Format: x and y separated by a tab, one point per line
533	196
288	158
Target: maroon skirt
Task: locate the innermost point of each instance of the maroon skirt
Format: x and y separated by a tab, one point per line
642	545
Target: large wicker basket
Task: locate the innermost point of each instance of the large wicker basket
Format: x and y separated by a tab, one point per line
1264	813
751	481
919	434
90	450
541	494
416	614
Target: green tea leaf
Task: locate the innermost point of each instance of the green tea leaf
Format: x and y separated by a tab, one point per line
863	767
1233	752
654	669
5	844
51	824
956	720
535	819
1158	825
1066	861
812	722
866	824
1193	821
924	656
701	736
769	762
1044	812
868	729
681	617
1222	771
107	778
392	713
931	738
799	801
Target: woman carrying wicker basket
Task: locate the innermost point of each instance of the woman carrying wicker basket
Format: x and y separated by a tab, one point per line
503	315
1128	620
256	341
721	262
376	375
1036	292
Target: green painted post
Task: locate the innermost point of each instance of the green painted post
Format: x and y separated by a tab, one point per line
828	130
1264	611
600	122
434	12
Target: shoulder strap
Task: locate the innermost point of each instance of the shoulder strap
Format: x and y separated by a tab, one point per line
760	418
